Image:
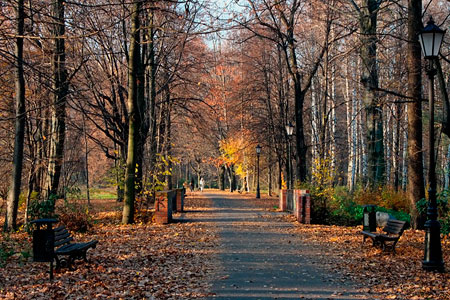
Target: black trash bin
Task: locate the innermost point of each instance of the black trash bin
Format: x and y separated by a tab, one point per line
369	218
44	242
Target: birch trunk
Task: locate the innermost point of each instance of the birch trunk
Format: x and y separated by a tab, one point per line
447	170
405	156
387	137
314	127
168	147
333	122
350	100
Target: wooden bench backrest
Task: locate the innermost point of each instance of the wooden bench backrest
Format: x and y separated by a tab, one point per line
394	227
62	236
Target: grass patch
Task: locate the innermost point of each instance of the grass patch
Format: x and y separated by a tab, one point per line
96	193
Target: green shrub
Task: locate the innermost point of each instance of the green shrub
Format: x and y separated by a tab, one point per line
339	206
39	209
320	210
442	200
5	250
343	209
4	254
72	193
445	225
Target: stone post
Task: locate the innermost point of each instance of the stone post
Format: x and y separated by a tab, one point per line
283	200
307	199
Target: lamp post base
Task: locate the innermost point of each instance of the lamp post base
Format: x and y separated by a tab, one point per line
433	253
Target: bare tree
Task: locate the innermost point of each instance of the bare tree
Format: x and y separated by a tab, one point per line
14	192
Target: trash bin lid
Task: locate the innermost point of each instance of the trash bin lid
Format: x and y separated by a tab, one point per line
369	207
44	221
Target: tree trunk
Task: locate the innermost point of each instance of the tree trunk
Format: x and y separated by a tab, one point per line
369	78
118	159
14	191
350	100
221	178
86	161
279	177
388	141
269	173
151	82
60	88
447	170
396	161
142	120
168	148
333	146
445	98
31	179
314	127
299	96
128	208
415	187
405	158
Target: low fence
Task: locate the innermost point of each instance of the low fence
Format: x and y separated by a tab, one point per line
298	202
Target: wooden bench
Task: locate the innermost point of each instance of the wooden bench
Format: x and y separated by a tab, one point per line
67	250
392	233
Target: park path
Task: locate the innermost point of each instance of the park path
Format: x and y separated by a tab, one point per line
261	258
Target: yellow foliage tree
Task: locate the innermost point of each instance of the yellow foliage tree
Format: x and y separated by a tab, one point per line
233	150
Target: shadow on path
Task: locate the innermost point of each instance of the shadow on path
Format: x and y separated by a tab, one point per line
262	259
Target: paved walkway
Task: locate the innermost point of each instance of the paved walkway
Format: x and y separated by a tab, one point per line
262	259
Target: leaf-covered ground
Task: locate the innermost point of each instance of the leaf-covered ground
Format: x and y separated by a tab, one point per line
178	261
140	261
398	276
382	274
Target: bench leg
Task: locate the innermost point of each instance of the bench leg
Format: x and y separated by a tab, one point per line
375	243
70	261
58	263
51	270
393	246
85	256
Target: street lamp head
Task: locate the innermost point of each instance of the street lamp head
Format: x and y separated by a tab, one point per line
258	149
289	129
430	39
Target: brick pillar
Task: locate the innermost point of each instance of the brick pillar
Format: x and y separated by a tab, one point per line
298	205
180	200
307	197
283	200
163	207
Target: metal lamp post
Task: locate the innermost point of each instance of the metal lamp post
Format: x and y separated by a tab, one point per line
430	39
289	131
258	152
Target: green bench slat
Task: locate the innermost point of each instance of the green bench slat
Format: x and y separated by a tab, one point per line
393	229
64	247
62	242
